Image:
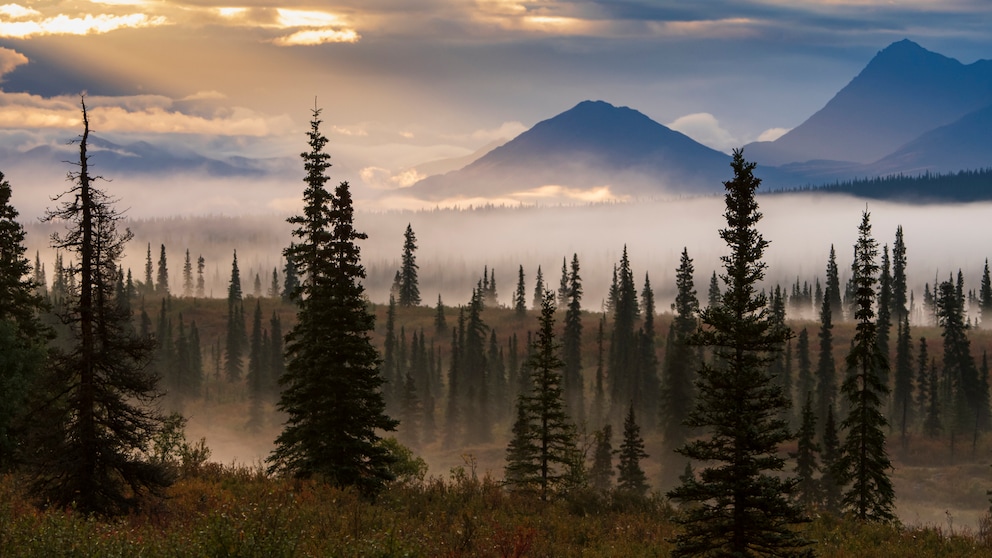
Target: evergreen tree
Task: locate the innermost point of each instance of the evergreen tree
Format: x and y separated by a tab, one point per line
543	443
277	364
256	286
831	293
601	472
22	334
807	486
826	370
646	366
538	289
411	412
331	390
236	332
452	415
747	504
713	296
256	372
902	400
440	323
187	276
520	295
478	411
200	285
899	298
94	419
865	463
832	480
985	295
599	383
563	285
959	368
681	362
274	284
623	341
804	375
391	379
631	478
149	286
291	280
162	285
409	288
884	318
572	345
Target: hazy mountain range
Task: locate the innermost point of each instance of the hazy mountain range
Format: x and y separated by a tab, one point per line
909	111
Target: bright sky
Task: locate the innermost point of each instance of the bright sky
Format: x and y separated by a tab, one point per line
404	82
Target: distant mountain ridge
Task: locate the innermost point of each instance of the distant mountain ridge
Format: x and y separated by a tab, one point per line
592	144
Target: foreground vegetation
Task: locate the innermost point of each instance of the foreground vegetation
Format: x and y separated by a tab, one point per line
239	511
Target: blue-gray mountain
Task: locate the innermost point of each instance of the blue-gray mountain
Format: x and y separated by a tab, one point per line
910	111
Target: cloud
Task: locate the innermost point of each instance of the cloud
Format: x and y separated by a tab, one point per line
10	59
705	128
153	114
17	11
379	178
505	131
772	134
85	25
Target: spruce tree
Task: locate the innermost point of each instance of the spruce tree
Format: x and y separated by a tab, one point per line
291	280
831	293
902	396
277	364
200	285
832	480
409	288
95	419
883	320
162	283
257	366
959	368
746	502
646	381
256	286
520	295
804	374
236	332
563	284
331	390
187	276
538	290
572	345
985	295
599	381
865	462
807	486
440	323
826	370
623	341
899	300
391	379
149	286
22	334
681	362
713	295
601	472
631	478
273	291
545	457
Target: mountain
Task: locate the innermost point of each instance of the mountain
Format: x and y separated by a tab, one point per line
903	93
593	144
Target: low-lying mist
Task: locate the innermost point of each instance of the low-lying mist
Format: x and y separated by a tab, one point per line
454	246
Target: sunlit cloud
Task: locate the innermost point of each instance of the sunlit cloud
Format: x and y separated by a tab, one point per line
10	59
231	13
772	134
17	11
121	2
204	96
140	114
302	18
86	25
379	178
564	193
705	128
310	37
707	28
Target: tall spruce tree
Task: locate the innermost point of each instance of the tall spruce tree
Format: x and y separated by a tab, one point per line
902	391
680	364
236	339
95	420
440	322
807	486
646	381
747	506
257	368
538	289
601	472
201	290
832	479
831	293
713	295
409	291
22	334
621	369
290	281
985	295
631	478
162	282
520	295
331	390
865	462
962	381
826	368
900	299
148	288
187	276
883	320
804	374
542	453
572	345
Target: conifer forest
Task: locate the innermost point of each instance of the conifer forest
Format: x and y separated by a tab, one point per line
293	396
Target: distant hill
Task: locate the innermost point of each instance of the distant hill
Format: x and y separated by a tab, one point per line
592	144
958	187
904	92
